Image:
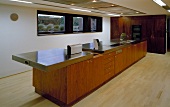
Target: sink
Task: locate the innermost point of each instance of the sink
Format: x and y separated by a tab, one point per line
116	44
130	41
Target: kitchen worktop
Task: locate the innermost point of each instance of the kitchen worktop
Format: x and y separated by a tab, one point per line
47	60
44	59
104	47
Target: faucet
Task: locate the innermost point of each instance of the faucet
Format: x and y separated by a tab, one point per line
123	37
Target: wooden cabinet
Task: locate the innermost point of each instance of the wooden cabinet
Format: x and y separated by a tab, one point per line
119	61
144	45
77	80
128	56
95	73
109	62
51	83
70	83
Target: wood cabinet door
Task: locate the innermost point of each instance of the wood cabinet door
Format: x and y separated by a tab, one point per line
128	55
119	62
134	53
77	80
145	48
95	73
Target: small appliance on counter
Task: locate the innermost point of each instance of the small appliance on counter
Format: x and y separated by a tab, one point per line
74	49
96	44
123	37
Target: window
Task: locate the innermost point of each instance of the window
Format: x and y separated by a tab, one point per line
93	24
54	23
77	24
51	23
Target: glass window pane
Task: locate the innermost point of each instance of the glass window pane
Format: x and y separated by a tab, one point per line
77	24
51	23
93	24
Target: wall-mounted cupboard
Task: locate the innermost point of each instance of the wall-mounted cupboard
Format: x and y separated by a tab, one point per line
64	23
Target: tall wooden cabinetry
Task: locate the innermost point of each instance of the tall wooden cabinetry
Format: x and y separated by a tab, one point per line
153	30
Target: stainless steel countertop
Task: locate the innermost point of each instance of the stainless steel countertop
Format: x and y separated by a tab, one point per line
103	48
54	59
47	60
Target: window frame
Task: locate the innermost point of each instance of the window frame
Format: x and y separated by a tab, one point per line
69	23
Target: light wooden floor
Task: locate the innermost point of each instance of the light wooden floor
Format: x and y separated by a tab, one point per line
145	84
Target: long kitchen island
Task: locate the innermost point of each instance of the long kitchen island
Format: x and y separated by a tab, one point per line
66	79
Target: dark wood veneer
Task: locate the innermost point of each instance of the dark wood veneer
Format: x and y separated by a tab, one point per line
153	30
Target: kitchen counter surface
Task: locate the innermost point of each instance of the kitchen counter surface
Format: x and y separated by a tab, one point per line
104	48
53	59
50	59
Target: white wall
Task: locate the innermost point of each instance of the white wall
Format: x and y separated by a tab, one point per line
21	36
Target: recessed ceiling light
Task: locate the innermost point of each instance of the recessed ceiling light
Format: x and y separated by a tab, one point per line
80	10
112	5
159	2
137	12
168	10
72	4
21	1
94	1
113	14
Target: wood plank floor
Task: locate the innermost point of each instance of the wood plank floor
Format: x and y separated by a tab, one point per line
145	84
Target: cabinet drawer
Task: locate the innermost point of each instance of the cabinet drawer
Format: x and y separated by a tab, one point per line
108	55
107	65
108	60
109	69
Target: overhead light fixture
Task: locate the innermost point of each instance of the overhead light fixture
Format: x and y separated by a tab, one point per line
113	15
112	5
168	10
159	2
137	12
80	10
22	1
94	1
72	4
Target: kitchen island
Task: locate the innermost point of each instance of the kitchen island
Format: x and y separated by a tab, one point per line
67	79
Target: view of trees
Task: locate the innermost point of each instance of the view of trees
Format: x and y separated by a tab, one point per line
51	23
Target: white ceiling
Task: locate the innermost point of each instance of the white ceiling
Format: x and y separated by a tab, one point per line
146	6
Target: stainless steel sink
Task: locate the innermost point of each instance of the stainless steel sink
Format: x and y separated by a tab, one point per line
116	44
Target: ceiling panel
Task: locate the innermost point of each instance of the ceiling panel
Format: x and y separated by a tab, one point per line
69	2
100	8
98	5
